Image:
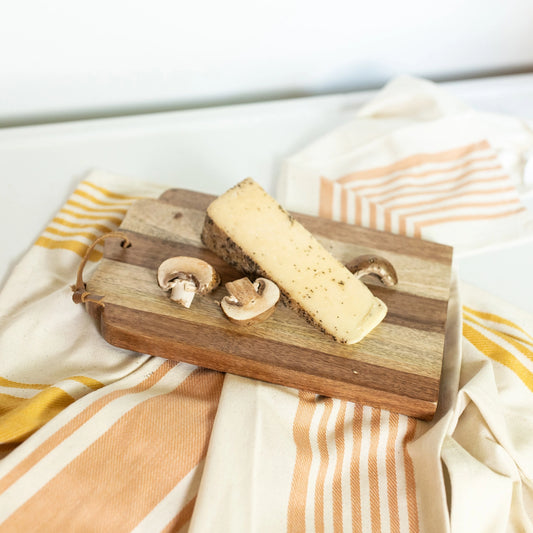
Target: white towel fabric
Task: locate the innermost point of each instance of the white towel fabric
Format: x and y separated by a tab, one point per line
96	438
416	161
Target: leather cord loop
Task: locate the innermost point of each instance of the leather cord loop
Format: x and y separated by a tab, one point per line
79	289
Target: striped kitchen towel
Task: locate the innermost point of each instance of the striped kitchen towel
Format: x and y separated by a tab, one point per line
287	460
95	438
92	438
44	369
418	163
91	211
129	456
488	448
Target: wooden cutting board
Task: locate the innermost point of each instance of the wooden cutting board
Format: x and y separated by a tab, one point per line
397	366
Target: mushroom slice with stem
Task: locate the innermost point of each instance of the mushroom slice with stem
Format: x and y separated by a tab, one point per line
374	265
186	276
248	302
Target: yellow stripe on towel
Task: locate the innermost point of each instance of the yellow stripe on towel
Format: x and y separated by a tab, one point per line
74	246
20	417
96	216
497	353
76	225
105	203
16	385
93	384
110	194
85	216
511	339
491	317
89	209
61	233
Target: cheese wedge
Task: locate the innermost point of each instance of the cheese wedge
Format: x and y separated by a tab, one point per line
249	230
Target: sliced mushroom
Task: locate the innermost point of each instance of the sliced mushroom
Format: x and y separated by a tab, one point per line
185	277
248	302
374	265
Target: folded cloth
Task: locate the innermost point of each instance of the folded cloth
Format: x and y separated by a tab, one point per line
50	355
98	438
93	438
488	447
283	460
418	162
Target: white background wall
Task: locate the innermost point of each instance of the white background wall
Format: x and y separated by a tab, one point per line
66	58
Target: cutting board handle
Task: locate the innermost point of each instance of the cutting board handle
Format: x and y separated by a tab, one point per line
79	289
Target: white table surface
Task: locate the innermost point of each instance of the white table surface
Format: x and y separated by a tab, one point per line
211	149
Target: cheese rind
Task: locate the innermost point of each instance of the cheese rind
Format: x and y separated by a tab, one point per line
248	229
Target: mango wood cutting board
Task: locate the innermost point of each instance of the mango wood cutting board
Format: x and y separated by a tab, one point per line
397	366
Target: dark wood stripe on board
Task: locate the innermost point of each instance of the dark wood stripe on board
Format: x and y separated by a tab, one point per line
341	231
161	335
405	309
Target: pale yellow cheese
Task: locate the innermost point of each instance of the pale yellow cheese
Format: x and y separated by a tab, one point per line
288	254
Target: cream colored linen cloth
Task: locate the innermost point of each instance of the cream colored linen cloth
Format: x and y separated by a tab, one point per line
97	438
93	438
419	162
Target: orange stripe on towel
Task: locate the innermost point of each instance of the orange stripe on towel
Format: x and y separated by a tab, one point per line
373	479
419	226
322	438
355	470
118	486
326	198
300	478
392	478
414	160
337	477
70	427
412	505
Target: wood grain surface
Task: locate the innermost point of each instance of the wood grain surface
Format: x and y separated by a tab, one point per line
397	366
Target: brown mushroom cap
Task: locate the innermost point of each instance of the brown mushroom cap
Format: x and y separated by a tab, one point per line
249	302
187	276
374	265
